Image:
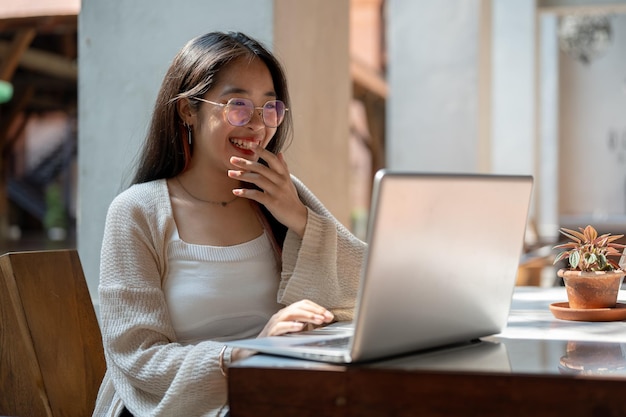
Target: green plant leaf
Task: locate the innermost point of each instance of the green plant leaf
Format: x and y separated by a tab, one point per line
590	258
574	259
562	255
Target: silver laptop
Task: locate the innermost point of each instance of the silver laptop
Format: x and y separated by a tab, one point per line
440	270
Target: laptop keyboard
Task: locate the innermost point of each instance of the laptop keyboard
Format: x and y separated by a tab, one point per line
339	342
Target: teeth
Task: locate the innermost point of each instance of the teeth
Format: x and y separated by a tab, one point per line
245	144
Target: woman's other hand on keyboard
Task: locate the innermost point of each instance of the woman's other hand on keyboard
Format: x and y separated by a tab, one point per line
296	317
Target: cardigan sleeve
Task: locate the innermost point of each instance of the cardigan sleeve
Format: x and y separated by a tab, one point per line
325	265
152	374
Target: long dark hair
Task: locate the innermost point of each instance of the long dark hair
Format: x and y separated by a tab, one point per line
166	151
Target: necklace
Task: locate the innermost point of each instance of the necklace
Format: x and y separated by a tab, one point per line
217	203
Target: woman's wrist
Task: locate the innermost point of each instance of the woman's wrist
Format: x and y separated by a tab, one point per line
300	226
236	354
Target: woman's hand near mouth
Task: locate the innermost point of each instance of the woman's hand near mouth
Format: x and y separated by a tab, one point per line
278	194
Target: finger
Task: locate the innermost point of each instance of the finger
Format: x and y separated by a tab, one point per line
274	161
302	316
251	194
284	327
246	164
253	172
267	180
306	310
313	306
252	178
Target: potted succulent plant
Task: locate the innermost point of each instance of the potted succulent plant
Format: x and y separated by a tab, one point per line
593	279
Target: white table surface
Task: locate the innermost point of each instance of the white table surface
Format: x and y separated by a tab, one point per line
530	318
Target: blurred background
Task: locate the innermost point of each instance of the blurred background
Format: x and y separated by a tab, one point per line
490	86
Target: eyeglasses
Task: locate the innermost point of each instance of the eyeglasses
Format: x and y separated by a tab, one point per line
239	111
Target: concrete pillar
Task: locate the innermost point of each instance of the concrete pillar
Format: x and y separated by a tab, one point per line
311	38
547	178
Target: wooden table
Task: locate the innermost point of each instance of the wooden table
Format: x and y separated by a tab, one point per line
538	366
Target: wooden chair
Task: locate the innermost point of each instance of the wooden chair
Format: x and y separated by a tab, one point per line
51	356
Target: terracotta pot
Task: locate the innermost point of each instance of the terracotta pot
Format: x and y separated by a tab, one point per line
592	289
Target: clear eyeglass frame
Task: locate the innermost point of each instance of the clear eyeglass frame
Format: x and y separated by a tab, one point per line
239	111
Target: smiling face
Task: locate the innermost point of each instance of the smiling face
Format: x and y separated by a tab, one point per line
215	140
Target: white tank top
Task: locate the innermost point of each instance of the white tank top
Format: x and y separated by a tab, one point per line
221	293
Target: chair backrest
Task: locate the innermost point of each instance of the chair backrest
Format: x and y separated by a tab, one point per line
51	355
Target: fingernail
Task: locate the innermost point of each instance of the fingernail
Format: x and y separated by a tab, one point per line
234	174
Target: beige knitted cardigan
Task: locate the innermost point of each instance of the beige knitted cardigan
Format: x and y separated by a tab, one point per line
147	370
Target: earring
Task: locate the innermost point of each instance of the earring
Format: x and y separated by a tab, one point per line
188	133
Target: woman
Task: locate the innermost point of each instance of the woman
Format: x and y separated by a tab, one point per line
215	240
